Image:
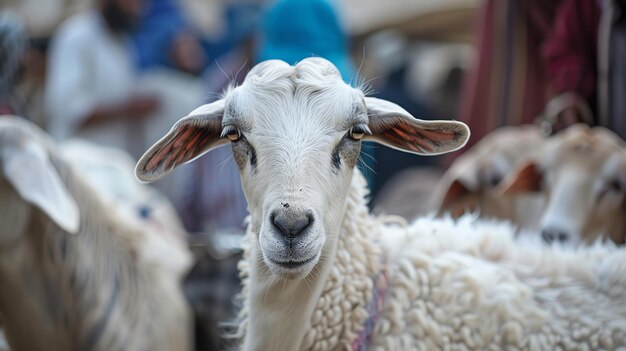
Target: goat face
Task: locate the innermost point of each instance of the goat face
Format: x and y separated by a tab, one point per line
295	134
583	179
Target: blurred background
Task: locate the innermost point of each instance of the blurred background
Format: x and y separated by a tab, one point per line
122	72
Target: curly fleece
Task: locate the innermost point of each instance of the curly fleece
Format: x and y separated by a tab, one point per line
464	285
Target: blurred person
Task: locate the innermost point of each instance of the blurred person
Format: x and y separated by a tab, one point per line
90	88
43	16
558	63
571	60
292	30
612	113
167	36
169	60
30	88
22	70
186	53
164	38
507	84
13	44
585	59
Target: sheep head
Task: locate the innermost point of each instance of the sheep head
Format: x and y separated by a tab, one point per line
582	176
296	133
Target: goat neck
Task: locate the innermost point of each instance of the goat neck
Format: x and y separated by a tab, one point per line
280	314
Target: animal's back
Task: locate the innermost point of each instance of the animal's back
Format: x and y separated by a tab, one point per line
471	286
92	291
132	276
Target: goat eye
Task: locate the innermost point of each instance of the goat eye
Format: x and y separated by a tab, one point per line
357	132
232	133
615	185
611	186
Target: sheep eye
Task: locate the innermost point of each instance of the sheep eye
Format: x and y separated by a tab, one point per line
358	132
232	133
612	186
615	185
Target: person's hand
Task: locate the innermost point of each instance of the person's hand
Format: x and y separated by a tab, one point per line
142	106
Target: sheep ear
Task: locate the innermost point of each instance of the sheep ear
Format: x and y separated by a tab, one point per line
37	181
527	178
393	126
190	138
455	192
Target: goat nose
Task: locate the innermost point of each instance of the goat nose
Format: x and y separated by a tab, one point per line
291	225
550	235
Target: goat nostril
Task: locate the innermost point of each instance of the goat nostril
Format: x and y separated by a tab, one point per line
547	236
291	226
550	235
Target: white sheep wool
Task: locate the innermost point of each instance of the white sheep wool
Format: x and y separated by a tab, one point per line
462	285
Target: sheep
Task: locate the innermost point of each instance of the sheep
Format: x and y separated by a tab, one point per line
74	275
582	176
320	273
471	184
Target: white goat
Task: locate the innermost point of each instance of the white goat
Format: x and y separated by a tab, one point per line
321	274
582	177
74	275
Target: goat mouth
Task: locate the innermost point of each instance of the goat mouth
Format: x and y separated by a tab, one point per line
292	264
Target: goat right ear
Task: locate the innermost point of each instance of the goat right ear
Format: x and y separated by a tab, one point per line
32	175
190	138
526	178
393	126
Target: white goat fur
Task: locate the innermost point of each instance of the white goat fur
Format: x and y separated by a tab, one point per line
451	285
103	284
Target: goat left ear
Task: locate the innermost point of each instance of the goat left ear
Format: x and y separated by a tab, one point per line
393	126
190	138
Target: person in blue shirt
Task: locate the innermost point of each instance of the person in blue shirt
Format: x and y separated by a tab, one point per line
292	30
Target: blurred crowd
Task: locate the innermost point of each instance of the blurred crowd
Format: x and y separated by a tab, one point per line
560	61
122	72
